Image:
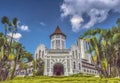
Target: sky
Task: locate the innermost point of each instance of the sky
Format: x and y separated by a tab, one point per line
39	18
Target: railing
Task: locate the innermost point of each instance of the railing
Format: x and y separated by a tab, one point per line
58	50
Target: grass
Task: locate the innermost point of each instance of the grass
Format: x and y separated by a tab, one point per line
43	79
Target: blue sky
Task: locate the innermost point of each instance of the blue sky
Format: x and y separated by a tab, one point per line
39	18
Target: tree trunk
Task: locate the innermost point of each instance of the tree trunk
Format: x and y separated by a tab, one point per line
11	40
110	69
14	69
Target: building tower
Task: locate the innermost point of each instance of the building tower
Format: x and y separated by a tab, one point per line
58	39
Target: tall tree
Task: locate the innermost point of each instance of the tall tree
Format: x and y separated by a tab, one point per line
5	20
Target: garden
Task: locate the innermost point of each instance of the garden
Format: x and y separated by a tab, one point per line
70	79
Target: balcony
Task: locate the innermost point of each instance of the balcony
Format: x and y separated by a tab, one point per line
56	51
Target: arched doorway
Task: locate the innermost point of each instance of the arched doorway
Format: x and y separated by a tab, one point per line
58	69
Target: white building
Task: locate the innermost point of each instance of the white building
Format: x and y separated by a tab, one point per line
58	60
24	72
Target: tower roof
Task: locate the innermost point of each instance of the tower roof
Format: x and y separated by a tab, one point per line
57	31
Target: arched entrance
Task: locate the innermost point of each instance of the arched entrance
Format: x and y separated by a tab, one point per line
58	69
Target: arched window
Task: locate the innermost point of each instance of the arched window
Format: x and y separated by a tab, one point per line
74	65
42	54
79	66
53	44
73	53
58	44
84	70
39	53
79	55
76	54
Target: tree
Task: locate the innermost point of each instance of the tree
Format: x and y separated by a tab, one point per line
97	48
5	20
11	51
18	53
104	47
24	66
39	66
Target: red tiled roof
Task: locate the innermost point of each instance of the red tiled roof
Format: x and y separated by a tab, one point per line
57	31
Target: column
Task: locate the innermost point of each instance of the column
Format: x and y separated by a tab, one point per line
45	67
61	44
64	44
51	44
50	73
55	43
66	73
71	71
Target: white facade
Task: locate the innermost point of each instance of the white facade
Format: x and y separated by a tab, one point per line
24	72
61	61
58	42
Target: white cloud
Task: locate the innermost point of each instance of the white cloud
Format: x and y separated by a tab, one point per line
76	22
24	28
97	10
42	24
16	36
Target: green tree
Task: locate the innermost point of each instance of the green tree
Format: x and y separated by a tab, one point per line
11	51
104	45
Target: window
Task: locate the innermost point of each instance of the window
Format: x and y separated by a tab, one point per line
48	63
84	70
77	43
68	63
29	71
76	54
58	44
90	71
73	53
63	37
79	55
87	70
42	53
39	53
63	44
57	36
52	44
74	65
79	66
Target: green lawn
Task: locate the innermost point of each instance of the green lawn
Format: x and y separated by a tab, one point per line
43	79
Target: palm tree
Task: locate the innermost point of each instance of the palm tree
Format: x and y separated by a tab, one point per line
11	50
97	46
28	56
18	53
13	29
26	66
5	20
101	47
